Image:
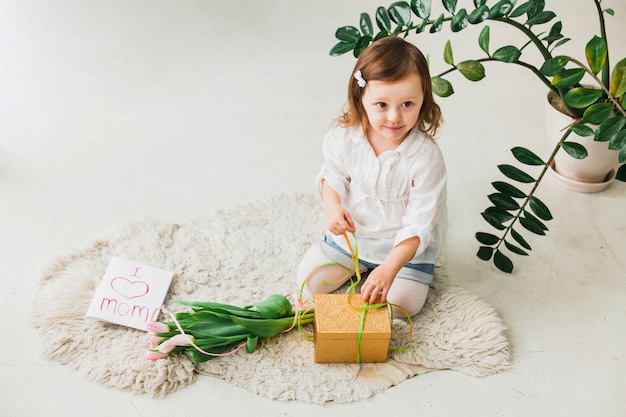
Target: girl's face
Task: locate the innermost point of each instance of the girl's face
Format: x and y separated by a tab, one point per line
392	110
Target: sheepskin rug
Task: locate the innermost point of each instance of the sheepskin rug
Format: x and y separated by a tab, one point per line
238	256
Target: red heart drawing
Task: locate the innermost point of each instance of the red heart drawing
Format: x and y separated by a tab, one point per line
129	289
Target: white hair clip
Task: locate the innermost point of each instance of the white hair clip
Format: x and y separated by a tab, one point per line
359	79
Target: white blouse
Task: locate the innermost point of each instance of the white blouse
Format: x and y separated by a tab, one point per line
392	197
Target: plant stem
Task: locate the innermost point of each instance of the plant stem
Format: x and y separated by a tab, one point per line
537	182
606	67
530	34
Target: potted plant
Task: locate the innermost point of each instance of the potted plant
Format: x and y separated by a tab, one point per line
594	110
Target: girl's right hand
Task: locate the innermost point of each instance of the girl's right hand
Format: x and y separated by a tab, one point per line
338	220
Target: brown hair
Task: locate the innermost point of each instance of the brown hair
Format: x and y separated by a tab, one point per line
391	59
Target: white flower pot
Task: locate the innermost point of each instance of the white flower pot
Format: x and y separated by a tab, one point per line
591	174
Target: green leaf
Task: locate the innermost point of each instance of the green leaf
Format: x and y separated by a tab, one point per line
515	249
508	54
508	189
523	8
502	215
421	8
450	5
348	34
485	253
539	208
553	66
596	52
540	18
273	307
483	39
575	150
621	173
381	34
502	262
503	201
582	130
487	238
519	239
264	327
361	44
496	217
382	19
366	24
472	70
568	77
561	42
437	24
515	173
491	218
501	9
479	15
341	48
400	12
581	97
598	113
619	141
251	343
420	28
538	6
226	309
618	79
555	33
441	87
526	157
459	21
532	226
448	57
529	216
607	130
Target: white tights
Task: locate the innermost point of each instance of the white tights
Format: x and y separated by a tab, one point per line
323	276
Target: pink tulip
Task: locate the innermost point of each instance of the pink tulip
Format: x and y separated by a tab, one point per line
157	327
155	356
174	341
153	341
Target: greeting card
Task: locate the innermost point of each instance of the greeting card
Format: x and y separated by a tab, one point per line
131	293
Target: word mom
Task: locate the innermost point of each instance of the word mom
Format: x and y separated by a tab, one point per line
122	309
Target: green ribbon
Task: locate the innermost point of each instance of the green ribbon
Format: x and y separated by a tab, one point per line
367	307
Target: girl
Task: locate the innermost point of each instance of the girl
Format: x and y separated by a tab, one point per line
383	179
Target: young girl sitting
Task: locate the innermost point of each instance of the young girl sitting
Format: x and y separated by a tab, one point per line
383	179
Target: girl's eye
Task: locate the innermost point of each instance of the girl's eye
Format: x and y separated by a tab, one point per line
407	104
381	105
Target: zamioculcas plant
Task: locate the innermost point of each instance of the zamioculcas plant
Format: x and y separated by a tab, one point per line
597	110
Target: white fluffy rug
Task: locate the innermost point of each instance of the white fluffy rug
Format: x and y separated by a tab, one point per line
237	256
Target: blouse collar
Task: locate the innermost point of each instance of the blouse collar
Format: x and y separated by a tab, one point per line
407	148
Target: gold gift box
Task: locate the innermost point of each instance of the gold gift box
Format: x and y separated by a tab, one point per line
336	330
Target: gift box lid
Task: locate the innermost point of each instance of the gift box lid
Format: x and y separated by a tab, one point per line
339	315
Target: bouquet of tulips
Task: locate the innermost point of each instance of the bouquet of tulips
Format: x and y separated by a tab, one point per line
213	329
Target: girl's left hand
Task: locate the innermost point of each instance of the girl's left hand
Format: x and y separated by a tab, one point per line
376	287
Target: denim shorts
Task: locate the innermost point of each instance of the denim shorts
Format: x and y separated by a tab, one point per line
417	272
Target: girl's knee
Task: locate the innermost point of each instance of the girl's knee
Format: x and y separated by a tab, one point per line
407	298
406	310
325	279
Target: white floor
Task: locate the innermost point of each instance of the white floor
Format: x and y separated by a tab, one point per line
111	110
